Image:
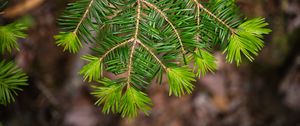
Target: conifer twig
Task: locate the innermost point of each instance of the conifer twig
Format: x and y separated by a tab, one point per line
170	23
198	21
115	47
153	55
138	16
84	16
199	5
130	63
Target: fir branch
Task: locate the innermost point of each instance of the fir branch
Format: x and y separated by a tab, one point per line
81	18
180	80
9	34
69	41
12	78
171	24
132	50
199	5
84	16
134	100
155	45
138	16
93	70
154	56
204	62
110	95
198	20
115	47
247	40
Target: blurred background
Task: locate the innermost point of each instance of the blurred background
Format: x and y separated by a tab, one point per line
263	93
